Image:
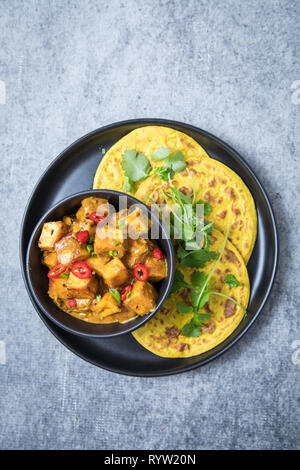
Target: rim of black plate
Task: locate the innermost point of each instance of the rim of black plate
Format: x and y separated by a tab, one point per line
164	122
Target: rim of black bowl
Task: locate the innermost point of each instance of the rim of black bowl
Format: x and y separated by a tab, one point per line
143	319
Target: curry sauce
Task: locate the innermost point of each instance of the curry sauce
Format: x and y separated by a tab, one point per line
101	265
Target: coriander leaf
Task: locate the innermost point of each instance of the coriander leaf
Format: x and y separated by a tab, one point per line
177	156
127	185
201	317
198	279
178	283
136	166
178	166
191	330
232	281
116	295
182	307
91	239
98	297
181	252
163	172
198	258
204	299
207	207
161	153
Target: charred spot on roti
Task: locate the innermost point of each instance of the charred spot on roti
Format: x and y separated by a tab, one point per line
231	257
184	173
213	240
185	190
212	183
222	214
229	309
220	200
237	211
172	332
229	191
182	347
192	162
222	181
185	295
208	197
210	328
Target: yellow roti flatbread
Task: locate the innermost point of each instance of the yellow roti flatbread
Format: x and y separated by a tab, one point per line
161	334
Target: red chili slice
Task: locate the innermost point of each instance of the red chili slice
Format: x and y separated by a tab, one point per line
83	236
157	253
81	270
72	303
96	217
140	272
125	291
56	271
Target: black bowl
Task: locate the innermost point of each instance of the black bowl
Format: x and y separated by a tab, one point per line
37	272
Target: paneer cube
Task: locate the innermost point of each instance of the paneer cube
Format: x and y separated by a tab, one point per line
106	306
58	288
82	288
157	268
50	259
137	252
80	226
109	239
142	299
97	263
92	204
69	250
138	223
115	273
51	233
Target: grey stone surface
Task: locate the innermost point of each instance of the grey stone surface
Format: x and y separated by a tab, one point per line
228	67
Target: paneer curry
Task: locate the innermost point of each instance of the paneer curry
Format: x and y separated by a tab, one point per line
98	272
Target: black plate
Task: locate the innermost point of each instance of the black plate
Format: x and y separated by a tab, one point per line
73	170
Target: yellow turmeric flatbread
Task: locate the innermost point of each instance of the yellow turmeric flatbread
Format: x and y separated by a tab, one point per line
146	140
161	334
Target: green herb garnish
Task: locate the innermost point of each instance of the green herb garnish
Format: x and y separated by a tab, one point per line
113	253
117	243
91	239
136	166
89	248
161	153
116	295
173	163
232	281
64	275
98	297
